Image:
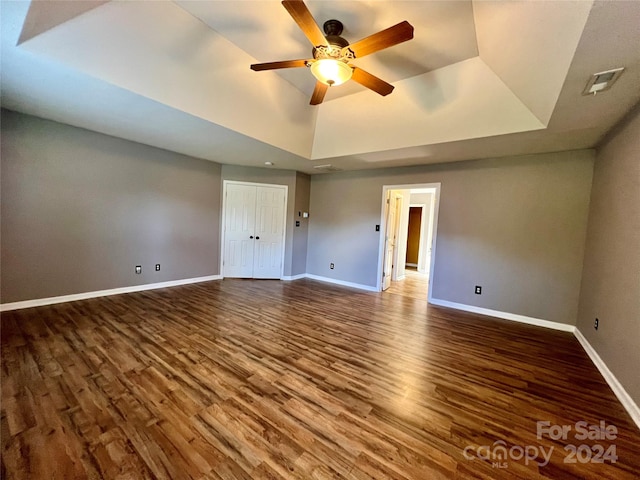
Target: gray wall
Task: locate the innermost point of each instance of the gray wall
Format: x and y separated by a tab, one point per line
301	233
277	177
81	209
516	226
611	279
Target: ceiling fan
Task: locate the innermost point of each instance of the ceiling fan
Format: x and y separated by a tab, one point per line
332	54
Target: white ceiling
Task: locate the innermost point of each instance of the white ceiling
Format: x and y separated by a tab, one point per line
480	79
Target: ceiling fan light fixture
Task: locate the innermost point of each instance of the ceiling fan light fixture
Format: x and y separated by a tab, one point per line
331	72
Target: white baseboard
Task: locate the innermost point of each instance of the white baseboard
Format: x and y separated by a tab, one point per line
341	282
38	302
504	315
625	399
289	278
411	264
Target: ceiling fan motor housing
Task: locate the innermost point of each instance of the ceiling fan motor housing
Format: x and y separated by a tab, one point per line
332	30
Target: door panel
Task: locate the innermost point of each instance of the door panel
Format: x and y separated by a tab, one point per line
269	228
413	238
389	241
240	214
254	231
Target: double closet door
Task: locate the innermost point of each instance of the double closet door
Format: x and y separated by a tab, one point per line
254	230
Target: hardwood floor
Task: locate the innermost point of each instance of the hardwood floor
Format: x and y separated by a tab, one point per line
414	285
300	380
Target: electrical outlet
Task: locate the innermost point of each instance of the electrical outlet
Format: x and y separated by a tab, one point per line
331	266
595	324
157	267
138	268
478	290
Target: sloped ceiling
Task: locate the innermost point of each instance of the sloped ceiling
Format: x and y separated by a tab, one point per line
480	79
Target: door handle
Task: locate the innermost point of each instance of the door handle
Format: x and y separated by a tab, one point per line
257	238
251	237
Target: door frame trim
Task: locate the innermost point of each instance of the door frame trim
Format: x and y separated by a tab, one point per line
434	236
224	211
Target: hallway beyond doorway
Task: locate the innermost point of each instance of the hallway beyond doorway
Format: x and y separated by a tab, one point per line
414	285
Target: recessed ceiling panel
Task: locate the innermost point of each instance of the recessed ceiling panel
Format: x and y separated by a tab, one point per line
458	102
530	46
267	33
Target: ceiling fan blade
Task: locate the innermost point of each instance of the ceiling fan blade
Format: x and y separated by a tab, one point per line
399	33
318	93
371	82
302	16
275	65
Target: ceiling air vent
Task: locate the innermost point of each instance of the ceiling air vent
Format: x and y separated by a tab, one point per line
326	168
602	81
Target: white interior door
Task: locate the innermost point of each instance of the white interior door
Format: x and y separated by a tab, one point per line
389	241
239	241
253	230
269	228
396	238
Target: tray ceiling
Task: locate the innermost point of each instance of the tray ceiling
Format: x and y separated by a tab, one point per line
479	79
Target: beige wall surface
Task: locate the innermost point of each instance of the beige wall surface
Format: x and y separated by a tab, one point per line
611	276
80	210
516	226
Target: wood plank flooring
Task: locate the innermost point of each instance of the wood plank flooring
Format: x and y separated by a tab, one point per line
296	380
414	285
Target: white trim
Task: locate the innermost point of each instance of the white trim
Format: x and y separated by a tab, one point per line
625	399
504	315
39	302
412	265
359	286
289	278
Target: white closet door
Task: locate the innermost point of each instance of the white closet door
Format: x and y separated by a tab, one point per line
269	232
239	241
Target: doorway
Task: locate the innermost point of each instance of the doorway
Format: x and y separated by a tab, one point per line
253	230
407	248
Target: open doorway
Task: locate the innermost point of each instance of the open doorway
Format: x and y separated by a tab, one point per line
409	226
